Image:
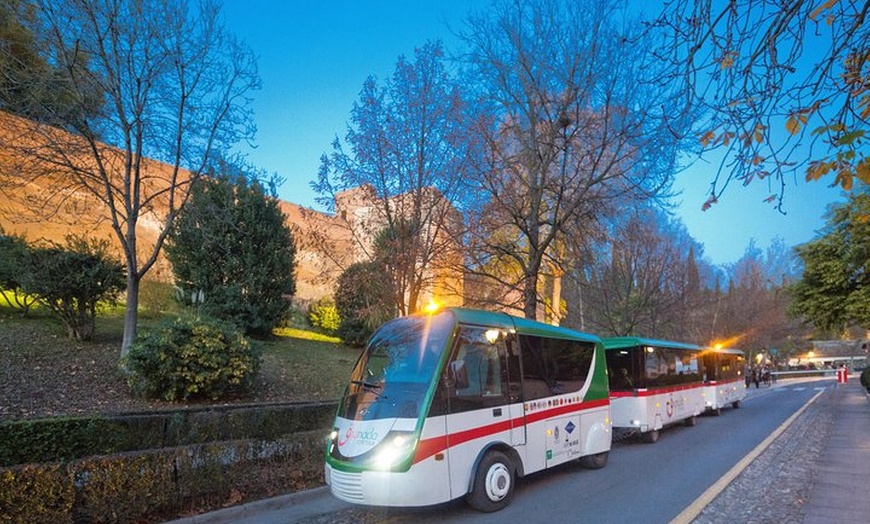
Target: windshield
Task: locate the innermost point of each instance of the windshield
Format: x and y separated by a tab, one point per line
392	376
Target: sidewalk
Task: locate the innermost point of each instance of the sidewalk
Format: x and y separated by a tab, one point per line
841	488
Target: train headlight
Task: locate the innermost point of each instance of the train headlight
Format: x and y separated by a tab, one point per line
394	450
330	441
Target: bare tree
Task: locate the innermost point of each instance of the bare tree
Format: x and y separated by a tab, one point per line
172	85
402	176
752	312
642	282
778	83
569	126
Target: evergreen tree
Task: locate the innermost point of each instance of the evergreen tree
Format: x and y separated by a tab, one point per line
232	254
834	293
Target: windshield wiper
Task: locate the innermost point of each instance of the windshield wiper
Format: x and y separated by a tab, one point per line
370	387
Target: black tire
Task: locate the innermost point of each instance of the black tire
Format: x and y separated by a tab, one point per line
716	412
650	437
736	404
692	421
596	461
493	485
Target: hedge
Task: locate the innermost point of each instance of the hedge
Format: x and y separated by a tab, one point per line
157	485
59	439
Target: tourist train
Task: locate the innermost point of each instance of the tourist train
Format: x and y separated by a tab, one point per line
460	403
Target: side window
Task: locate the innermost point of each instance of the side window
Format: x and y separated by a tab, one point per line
731	367
710	370
476	370
654	365
667	367
553	366
620	369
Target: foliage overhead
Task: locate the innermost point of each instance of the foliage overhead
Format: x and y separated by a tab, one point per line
778	83
231	249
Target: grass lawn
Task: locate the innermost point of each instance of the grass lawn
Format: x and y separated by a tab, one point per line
306	365
43	373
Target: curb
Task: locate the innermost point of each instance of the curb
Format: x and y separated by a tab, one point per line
260	507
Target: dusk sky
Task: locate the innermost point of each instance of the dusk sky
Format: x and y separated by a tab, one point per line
314	57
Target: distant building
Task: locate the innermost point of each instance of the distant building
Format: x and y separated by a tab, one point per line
833	353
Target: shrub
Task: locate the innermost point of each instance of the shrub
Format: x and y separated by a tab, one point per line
72	280
14	263
123	488
865	378
192	358
37	493
323	314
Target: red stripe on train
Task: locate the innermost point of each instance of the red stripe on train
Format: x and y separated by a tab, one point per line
648	392
430	446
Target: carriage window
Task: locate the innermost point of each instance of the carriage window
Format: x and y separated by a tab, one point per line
475	372
731	366
621	369
666	366
553	366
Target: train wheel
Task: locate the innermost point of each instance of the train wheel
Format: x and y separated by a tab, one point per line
736	404
650	437
692	421
716	412
596	461
493	483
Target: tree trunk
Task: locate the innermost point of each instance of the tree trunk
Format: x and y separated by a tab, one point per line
131	317
557	298
530	296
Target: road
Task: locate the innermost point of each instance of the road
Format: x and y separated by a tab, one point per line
641	483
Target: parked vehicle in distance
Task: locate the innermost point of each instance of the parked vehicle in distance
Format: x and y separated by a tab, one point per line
459	403
653	383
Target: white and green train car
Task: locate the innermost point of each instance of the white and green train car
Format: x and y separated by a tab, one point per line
459	403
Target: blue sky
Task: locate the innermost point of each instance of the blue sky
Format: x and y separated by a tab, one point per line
314	57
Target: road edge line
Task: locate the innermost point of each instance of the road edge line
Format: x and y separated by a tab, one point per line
696	507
